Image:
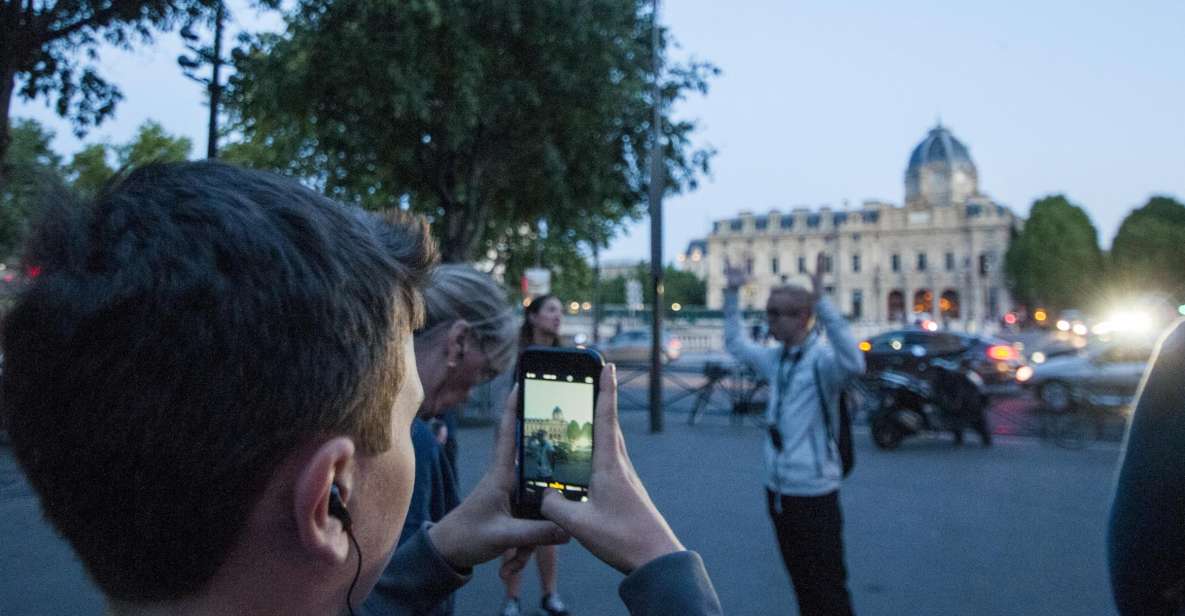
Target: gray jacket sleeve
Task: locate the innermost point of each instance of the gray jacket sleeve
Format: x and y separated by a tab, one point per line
415	581
845	359
736	340
675	585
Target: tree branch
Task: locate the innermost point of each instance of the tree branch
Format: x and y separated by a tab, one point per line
94	20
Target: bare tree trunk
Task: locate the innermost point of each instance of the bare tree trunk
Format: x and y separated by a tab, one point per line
7	86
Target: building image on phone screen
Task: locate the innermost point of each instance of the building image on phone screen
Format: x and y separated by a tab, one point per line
557	432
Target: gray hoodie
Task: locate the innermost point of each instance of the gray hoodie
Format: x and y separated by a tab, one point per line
809	463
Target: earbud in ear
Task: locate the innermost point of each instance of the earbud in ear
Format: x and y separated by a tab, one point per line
337	508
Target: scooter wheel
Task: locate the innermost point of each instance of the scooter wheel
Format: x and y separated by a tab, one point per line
886	434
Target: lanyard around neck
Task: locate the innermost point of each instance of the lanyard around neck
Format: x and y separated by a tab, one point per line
785	377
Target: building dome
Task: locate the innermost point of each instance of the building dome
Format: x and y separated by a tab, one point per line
940	171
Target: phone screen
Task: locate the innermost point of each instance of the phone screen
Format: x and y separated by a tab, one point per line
556	427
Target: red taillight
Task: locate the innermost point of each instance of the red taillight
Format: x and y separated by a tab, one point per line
1002	352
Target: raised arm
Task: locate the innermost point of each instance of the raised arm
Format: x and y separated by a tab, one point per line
735	339
846	359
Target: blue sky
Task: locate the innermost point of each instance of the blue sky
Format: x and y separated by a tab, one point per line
821	102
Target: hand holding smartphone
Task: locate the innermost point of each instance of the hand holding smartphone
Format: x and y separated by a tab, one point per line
614	518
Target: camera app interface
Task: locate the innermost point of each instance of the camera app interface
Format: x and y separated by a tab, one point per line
557	432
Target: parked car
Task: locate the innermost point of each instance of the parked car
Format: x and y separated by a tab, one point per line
911	351
633	347
1105	375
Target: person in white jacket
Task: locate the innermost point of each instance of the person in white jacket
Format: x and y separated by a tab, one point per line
806	371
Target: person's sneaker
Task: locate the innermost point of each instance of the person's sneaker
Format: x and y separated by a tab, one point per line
511	608
552	605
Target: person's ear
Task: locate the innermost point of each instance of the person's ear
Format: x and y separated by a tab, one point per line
322	534
456	340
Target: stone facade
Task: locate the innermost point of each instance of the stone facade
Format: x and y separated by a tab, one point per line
941	254
556	428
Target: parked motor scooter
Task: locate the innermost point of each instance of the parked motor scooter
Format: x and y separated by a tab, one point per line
946	398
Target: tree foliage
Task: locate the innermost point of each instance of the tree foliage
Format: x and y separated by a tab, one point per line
1055	261
50	49
483	115
89	170
678	287
34	170
1148	252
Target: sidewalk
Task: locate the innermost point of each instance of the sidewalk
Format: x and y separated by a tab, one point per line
931	530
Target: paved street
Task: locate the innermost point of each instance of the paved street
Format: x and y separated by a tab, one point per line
1016	529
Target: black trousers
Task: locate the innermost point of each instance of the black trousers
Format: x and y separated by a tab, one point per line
810	535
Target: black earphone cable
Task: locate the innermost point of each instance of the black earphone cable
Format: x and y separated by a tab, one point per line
357	572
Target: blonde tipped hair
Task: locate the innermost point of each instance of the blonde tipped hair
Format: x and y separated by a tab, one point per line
460	292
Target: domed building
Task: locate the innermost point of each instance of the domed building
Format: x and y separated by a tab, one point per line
938	255
940	172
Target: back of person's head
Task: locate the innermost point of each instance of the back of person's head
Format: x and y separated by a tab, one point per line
461	293
190	329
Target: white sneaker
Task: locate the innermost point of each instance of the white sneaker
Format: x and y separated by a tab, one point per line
511	608
554	606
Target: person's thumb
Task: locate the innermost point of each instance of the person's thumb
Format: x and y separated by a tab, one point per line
519	533
560	510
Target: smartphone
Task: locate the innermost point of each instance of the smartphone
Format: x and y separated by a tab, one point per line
557	399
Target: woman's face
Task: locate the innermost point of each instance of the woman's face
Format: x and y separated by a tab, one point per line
547	320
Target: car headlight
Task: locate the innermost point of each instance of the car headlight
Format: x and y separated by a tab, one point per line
1024	373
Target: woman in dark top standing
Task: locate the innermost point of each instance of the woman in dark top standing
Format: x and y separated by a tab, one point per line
541	326
1146	540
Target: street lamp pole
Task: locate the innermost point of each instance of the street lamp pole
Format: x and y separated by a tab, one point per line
656	187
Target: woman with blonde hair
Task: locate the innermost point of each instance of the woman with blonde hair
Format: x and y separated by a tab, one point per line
468	335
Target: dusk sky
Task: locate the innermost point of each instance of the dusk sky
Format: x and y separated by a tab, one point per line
820	103
574	399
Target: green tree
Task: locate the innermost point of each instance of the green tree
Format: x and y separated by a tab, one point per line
1148	252
89	170
573	431
1055	261
483	116
684	288
50	49
152	145
34	170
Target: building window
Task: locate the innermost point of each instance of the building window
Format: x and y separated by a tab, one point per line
812	221
716	227
787	222
895	263
985	264
773	265
735	225
856	264
950	261
749	266
921	261
993	302
762	223
839	219
857	304
801	265
827	264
